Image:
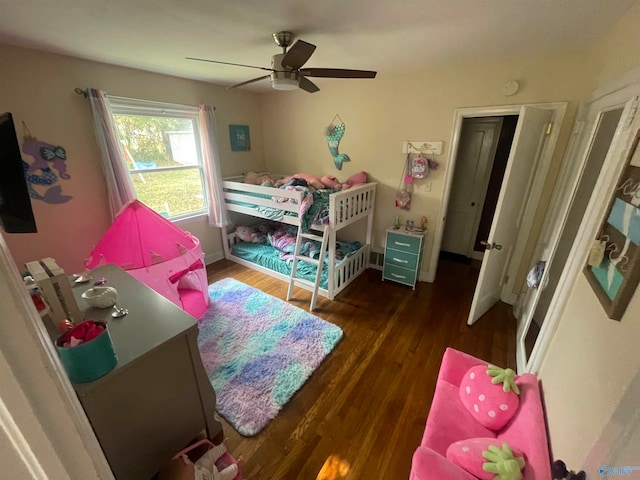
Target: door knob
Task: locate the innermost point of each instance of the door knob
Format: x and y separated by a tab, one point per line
473	204
489	246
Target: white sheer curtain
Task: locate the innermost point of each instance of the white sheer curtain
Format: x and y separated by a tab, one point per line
119	186
218	216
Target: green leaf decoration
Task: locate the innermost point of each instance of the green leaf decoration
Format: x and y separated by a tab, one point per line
505	376
502	462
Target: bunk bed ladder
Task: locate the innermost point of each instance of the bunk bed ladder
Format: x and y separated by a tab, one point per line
319	263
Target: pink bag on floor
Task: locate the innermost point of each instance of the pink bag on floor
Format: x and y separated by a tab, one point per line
182	465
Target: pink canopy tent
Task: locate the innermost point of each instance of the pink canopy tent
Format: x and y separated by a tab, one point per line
156	252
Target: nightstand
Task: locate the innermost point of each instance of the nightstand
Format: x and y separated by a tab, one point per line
403	256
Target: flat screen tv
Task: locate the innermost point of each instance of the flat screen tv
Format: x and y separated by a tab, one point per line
16	215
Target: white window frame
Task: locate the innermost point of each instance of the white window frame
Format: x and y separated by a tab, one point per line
147	108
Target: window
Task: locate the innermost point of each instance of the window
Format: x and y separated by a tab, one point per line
161	144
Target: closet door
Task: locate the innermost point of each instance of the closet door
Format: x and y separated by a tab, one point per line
478	141
596	136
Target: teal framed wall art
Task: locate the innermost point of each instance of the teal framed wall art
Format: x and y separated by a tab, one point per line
616	278
240	138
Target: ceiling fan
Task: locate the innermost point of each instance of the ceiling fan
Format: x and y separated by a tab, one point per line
286	67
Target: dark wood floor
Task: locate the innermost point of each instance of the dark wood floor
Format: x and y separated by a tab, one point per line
361	415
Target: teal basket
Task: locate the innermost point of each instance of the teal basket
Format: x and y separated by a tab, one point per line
88	361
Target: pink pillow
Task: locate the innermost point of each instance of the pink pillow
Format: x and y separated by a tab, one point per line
489	404
467	454
359	178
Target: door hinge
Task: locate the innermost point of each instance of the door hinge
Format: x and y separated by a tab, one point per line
505	280
548	128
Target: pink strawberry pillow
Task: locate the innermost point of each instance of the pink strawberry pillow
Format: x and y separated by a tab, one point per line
490	394
485	458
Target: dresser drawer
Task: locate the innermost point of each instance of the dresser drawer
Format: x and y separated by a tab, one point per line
401	259
399	274
405	243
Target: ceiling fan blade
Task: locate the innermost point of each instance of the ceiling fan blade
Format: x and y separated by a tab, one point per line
298	54
337	73
307	85
228	63
248	82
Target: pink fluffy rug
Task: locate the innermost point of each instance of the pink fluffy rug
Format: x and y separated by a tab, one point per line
258	351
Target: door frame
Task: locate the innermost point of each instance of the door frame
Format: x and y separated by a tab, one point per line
41	417
558	112
622	91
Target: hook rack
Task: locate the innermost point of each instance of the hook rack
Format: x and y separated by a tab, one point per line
420	146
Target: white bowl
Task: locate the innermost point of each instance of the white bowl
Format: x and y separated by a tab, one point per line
101	297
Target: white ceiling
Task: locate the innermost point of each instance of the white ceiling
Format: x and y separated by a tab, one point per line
389	36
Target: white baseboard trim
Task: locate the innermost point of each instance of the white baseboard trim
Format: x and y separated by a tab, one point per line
213	257
510	299
427	276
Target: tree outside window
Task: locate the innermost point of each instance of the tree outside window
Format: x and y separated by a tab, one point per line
162	153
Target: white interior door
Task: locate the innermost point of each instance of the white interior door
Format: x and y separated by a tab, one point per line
477	147
516	184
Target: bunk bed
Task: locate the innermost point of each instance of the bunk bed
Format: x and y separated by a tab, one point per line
343	208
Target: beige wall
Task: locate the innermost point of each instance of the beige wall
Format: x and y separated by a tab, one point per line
379	114
617	52
593	360
38	89
590	363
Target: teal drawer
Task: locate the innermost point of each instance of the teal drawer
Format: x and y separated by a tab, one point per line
399	274
406	243
401	259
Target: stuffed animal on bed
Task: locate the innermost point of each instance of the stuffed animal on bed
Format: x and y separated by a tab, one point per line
329	181
310	179
354	180
259	179
249	234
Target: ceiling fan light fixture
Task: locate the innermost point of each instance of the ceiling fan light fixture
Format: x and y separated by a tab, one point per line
285	80
285	72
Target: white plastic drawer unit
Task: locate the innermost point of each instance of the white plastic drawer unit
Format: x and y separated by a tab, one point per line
403	256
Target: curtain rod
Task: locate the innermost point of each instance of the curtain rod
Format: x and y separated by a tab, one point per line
83	92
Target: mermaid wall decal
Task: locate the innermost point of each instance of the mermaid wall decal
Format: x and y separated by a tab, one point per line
40	172
335	132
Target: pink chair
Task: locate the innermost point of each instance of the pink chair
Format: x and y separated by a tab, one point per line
449	421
